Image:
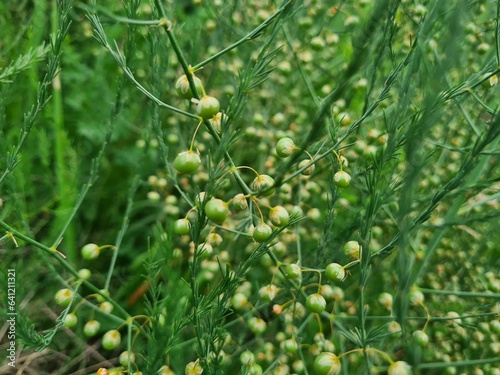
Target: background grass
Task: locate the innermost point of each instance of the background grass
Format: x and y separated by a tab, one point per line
90	124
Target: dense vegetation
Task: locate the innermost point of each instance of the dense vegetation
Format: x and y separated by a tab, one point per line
250	187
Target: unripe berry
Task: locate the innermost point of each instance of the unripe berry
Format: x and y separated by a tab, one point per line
421	338
182	226
416	297
111	339
385	299
285	147
316	303
239	301
327	364
293	271
240	202
84	273
309	170
63	297
262	232
187	162
263	182
70	320
399	368
184	90
125	358
216	210
91	328
352	249
257	325
247	358
335	272
342	179
208	107
279	216
90	251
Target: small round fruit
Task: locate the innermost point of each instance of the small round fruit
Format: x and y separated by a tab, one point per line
90	251
257	325
335	272
184	90
352	249
216	210
385	299
63	297
285	147
240	202
217	121
102	371
208	107
290	346
327	364
342	179
262	232
182	226
111	339
125	358
106	307
316	303
187	162
399	368
309	170
293	271
84	273
91	328
420	338
70	320
263	183
247	358
279	216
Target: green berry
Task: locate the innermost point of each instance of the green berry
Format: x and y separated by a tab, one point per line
182	226
90	251
385	299
239	301
290	346
70	320
285	147
327	364
316	303
63	297
106	307
216	210
187	162
257	325
84	273
335	272
208	107
217	121
91	328
263	183
184	90
293	271
309	170
352	249
125	358
279	216
247	358
399	368
111	339
342	179
240	202
262	232
420	338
